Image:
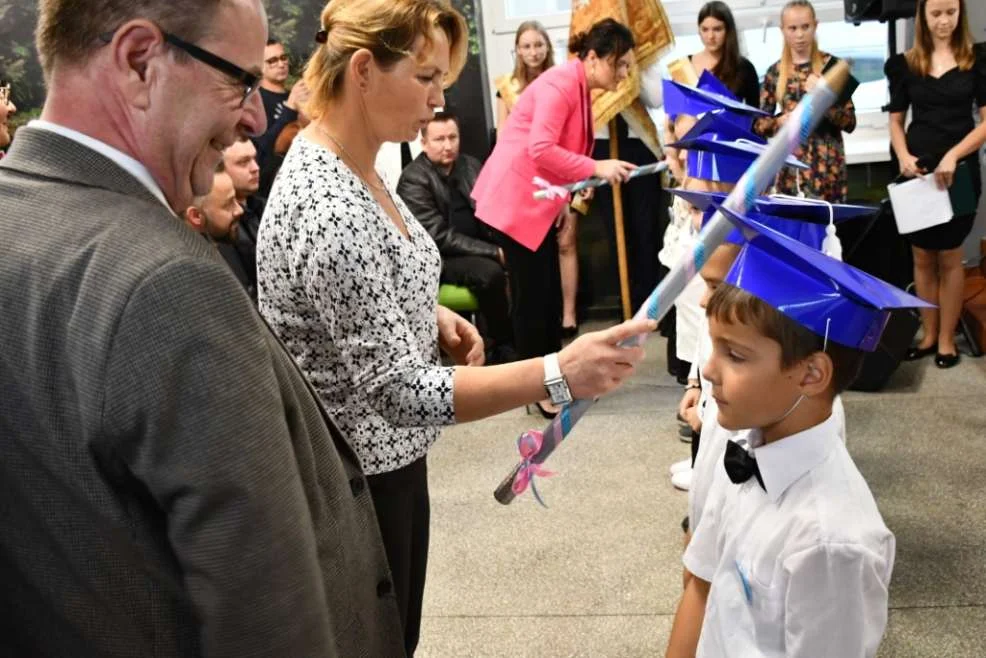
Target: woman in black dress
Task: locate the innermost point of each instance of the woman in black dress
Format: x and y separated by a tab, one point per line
939	79
720	55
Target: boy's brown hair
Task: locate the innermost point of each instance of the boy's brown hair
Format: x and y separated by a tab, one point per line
731	305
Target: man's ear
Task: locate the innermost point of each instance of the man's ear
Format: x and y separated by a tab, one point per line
818	374
137	51
195	219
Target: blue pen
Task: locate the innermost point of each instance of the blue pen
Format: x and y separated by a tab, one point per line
747	590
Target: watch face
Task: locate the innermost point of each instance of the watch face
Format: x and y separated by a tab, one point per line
559	393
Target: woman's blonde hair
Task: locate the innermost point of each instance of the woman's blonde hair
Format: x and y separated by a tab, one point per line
389	29
520	69
787	59
919	55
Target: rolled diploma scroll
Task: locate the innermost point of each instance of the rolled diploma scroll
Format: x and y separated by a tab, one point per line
757	178
592	181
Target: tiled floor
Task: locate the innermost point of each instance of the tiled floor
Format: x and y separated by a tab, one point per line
598	574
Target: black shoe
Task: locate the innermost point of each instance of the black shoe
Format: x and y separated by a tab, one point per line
915	353
944	361
548	415
569	332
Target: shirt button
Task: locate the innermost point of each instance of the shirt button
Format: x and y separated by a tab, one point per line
384	587
357	485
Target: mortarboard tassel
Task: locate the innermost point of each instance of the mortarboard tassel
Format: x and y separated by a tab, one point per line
831	245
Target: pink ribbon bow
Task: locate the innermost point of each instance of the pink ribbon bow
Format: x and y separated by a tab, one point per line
551	191
529	445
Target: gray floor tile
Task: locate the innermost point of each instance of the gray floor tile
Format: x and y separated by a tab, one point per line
553	637
935	633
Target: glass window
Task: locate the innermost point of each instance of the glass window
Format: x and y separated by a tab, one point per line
864	46
536	8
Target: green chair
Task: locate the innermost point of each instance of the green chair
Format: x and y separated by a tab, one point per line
458	298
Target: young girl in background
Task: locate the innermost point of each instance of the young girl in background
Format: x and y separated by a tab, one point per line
786	82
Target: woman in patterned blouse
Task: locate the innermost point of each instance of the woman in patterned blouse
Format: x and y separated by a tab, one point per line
348	279
798	71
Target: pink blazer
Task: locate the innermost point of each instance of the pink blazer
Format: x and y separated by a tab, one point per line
549	134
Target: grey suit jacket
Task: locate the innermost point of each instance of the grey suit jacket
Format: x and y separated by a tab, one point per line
169	483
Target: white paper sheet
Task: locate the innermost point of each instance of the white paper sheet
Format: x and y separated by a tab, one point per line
919	204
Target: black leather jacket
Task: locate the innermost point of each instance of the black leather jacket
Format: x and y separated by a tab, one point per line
424	189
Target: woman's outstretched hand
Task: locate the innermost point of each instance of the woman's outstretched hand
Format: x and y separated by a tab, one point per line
593	364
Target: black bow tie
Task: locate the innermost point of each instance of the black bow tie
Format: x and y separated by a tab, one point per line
741	465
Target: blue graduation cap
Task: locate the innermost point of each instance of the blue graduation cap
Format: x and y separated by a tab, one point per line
806	233
709	95
804	220
803	210
828	297
707	81
719	150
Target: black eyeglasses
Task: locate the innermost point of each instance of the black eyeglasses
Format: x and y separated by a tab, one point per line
250	81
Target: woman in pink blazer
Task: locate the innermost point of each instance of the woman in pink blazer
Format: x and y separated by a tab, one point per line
549	134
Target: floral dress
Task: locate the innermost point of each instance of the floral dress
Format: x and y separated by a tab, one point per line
825	153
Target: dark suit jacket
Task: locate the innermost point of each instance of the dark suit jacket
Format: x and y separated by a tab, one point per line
425	190
169	484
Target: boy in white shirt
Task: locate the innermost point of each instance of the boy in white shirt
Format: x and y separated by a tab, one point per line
801	220
791	557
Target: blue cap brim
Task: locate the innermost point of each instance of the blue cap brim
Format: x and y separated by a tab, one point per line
710	83
807	233
682	99
717	126
820	293
803	211
736	149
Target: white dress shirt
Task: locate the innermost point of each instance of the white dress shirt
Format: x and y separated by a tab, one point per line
802	569
713	438
128	164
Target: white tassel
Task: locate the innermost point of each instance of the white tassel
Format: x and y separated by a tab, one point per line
831	245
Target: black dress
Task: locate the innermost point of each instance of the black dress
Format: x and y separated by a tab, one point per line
941	118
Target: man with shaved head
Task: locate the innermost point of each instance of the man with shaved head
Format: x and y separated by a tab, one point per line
169	483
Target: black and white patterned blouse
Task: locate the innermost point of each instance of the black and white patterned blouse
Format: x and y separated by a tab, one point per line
355	302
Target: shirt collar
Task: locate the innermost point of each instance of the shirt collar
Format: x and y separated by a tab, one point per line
785	461
128	164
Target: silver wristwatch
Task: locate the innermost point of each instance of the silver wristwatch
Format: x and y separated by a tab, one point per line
554	381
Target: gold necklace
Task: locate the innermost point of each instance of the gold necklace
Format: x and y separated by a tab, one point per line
381	187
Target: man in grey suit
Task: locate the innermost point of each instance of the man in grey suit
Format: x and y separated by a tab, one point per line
169	483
